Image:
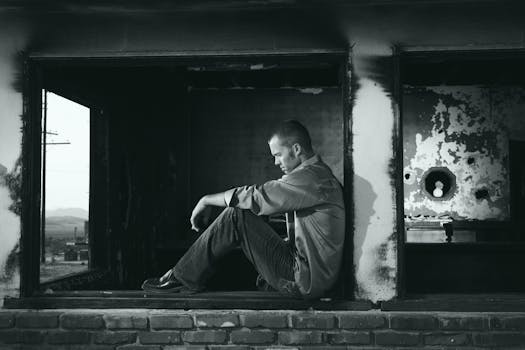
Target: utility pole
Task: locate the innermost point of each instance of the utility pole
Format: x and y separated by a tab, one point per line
43	192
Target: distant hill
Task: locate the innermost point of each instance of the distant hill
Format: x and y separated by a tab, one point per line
76	212
64	226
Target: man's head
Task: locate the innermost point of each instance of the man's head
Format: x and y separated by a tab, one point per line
290	145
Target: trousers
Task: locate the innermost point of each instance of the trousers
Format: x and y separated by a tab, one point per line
272	257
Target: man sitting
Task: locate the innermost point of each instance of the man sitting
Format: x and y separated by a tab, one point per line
308	264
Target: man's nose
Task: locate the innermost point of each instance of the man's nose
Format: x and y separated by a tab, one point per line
276	162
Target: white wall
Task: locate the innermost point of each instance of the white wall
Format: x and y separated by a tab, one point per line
12	40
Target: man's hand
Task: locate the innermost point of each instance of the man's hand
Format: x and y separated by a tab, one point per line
200	215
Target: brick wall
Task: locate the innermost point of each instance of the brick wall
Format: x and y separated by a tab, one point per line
242	329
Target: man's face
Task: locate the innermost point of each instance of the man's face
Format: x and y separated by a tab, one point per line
285	156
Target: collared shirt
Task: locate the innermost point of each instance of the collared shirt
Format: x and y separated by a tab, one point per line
315	197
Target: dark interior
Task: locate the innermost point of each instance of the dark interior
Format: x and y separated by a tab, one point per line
165	134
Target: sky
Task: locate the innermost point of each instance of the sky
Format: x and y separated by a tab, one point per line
67	173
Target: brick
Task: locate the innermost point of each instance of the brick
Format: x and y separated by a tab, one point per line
115	338
510	323
463	323
397	338
309	320
461	347
11	347
413	322
324	347
171	321
229	347
264	320
126	322
37	320
66	347
252	337
186	347
349	337
139	347
205	337
360	321
499	339
7	320
68	337
279	347
300	337
162	337
81	321
446	339
223	320
21	337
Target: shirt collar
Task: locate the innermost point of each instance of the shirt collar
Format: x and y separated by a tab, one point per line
313	159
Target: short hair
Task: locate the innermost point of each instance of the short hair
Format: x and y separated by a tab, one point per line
290	132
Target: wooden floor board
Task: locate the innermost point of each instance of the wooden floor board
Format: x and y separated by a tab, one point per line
206	300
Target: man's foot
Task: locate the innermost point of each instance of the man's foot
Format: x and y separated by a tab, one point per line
262	285
165	284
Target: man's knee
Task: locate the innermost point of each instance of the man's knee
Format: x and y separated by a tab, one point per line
238	215
230	211
230	214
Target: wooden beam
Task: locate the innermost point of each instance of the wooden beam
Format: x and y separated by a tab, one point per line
31	179
458	303
397	143
210	300
349	86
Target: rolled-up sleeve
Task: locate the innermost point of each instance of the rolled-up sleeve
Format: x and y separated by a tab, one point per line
274	196
228	195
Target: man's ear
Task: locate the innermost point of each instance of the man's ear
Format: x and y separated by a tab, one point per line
297	149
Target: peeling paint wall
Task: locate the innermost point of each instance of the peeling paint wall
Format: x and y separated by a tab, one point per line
466	130
12	39
375	256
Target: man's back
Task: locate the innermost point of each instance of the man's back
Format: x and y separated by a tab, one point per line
319	229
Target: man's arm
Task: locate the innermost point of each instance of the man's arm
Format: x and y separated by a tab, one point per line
290	193
200	213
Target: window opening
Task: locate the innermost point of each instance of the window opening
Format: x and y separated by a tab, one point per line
144	166
461	114
65	187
